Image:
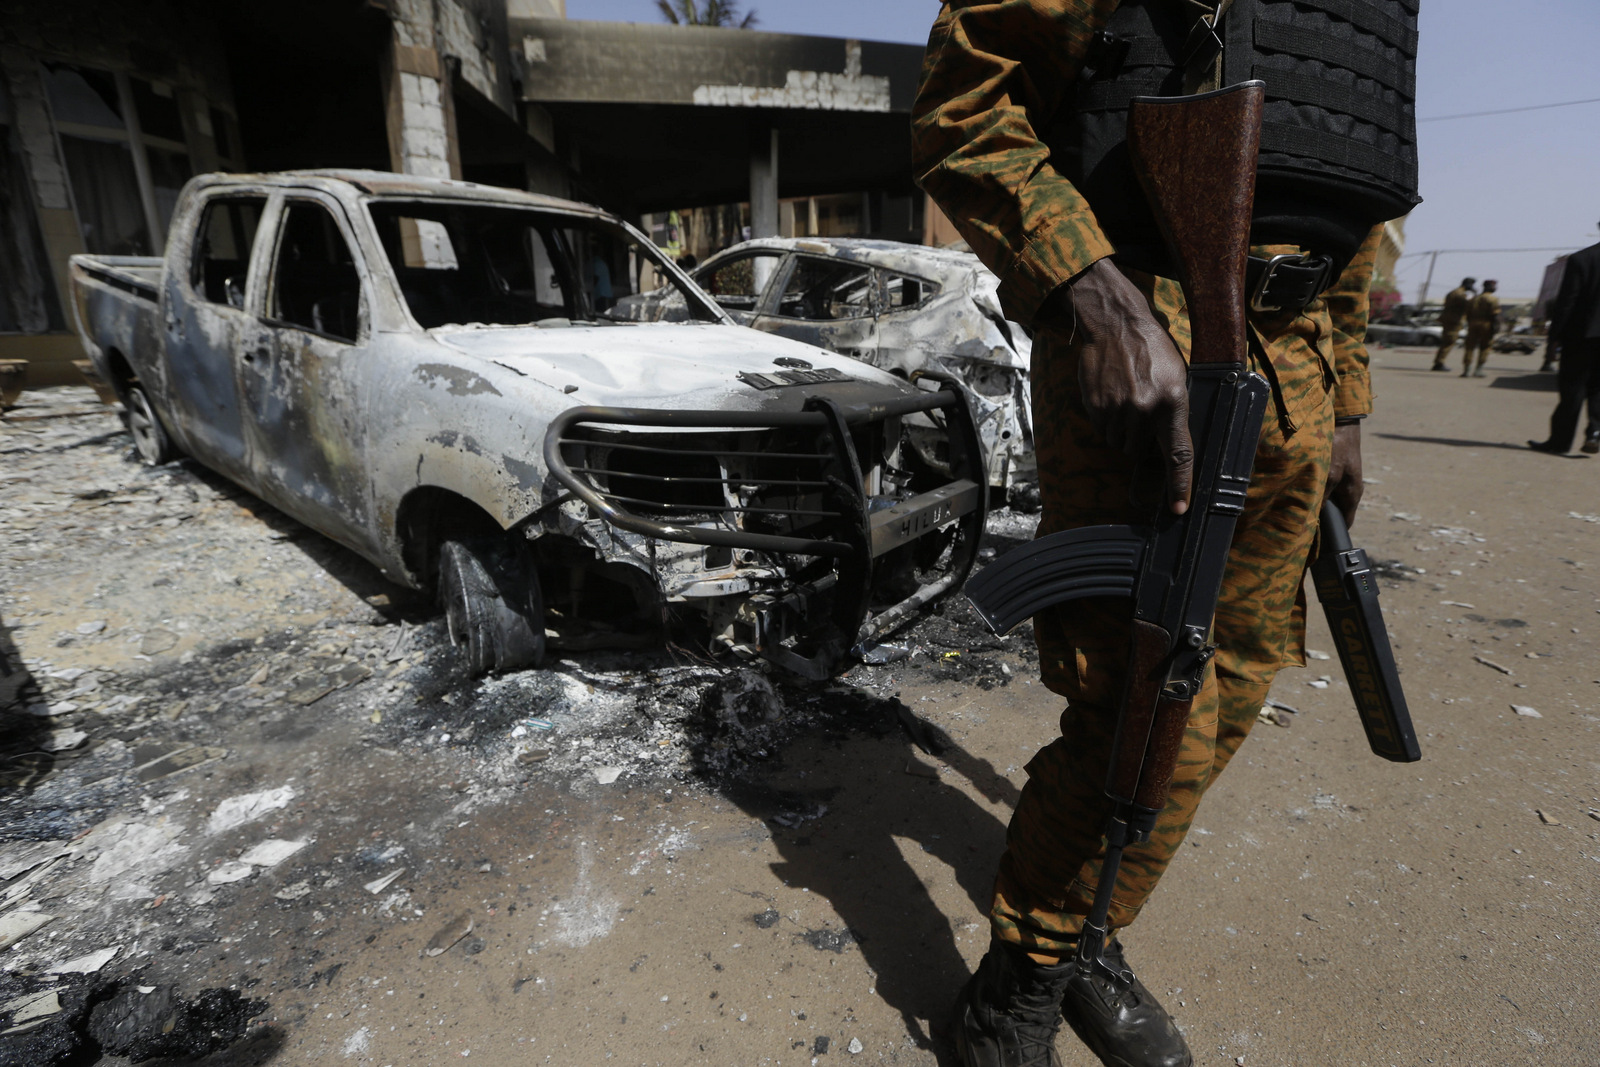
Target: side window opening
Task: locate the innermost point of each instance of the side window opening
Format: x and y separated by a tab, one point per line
825	289
315	284
739	283
904	291
227	233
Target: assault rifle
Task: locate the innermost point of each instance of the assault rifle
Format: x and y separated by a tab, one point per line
1196	158
1349	593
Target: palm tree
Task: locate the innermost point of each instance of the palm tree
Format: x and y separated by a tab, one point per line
705	13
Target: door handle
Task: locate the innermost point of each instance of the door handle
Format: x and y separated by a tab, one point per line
251	355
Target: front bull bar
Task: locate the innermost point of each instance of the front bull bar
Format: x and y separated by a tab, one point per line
863	535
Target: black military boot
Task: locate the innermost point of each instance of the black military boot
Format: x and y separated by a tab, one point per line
1010	1010
1121	1021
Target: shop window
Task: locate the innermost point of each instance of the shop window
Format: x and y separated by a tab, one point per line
105	190
225	132
99	157
116	213
157	107
226	235
168	171
80	96
28	301
315	284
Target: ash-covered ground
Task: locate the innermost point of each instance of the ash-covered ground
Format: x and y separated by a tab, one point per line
251	813
191	675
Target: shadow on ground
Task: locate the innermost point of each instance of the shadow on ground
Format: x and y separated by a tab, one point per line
885	796
343	565
26	755
1528	383
1453	442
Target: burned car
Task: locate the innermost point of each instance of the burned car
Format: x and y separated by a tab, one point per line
437	375
904	308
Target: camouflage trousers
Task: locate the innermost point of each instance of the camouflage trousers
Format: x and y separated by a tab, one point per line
1054	846
1448	331
1479	336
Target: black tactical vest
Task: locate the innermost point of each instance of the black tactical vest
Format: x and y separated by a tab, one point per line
1338	143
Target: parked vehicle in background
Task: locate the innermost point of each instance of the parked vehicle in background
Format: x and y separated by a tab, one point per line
433	374
907	309
1406	324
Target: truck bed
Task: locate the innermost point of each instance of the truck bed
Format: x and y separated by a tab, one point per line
139	275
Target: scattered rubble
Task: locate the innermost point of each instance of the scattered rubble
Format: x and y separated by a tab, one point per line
448	935
140	800
247	807
71	1023
1492	664
16	925
89	964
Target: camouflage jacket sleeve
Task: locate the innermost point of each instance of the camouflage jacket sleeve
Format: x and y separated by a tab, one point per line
994	75
1347	307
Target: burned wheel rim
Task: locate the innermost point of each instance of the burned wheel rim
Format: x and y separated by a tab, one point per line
492	608
149	439
461	578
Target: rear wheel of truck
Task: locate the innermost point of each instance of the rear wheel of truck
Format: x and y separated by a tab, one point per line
149	438
492	605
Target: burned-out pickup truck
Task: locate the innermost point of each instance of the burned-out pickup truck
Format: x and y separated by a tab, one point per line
436	375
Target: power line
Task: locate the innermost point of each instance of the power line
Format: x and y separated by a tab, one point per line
1484	251
1510	110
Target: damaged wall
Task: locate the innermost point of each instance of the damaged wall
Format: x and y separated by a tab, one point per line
657	118
439	49
626	62
166	104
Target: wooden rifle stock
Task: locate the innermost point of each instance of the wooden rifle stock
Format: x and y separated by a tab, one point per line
1196	158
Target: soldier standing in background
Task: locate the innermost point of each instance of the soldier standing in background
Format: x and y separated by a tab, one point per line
1455	309
1483	321
1018	133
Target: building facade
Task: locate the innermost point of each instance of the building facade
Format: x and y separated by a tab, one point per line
107	108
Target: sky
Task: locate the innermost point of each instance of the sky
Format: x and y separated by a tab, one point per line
1527	180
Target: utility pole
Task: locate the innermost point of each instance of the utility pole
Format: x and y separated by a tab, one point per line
1422	300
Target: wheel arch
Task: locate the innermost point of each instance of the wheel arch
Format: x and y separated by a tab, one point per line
430	515
120	373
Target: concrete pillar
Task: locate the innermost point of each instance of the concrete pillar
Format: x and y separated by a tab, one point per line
419	108
764	186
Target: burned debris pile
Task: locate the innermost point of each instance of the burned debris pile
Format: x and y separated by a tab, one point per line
179	659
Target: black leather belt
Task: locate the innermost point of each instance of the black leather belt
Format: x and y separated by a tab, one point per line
1287	283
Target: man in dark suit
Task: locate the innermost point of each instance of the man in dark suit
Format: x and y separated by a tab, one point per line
1575	326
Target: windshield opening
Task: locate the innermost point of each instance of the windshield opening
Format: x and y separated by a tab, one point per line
509	266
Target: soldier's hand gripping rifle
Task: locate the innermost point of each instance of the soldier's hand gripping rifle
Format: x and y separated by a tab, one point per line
1196	158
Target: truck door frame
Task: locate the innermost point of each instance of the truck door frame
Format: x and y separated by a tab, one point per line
300	393
200	384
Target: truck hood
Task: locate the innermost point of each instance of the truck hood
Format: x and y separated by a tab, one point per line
653	365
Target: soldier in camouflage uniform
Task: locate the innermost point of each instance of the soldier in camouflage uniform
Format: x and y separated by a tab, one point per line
1109	386
1456	302
1483	322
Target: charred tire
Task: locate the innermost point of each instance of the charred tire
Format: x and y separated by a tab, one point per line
149	437
492	605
